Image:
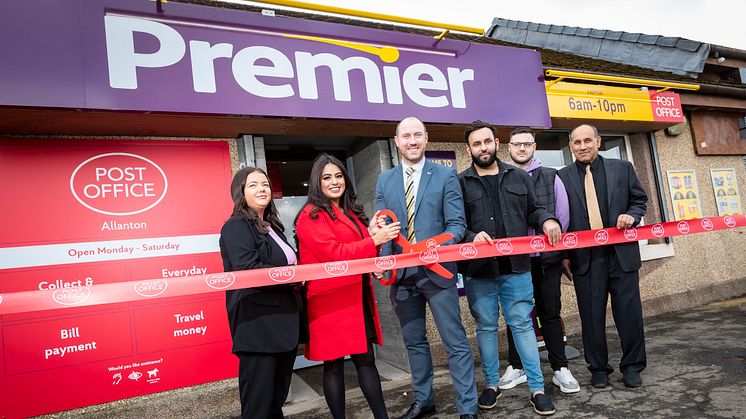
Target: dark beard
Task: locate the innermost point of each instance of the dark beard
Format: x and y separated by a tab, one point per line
484	164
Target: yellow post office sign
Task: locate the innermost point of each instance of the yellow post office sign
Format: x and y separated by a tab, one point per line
592	101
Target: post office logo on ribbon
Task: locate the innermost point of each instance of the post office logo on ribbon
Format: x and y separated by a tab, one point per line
658	230
504	246
431	244
570	240
729	221
538	244
707	224
601	236
429	256
385	262
336	268
220	281
282	274
71	296
468	251
630	234
683	227
151	288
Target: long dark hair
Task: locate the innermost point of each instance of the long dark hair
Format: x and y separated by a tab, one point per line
241	207
319	201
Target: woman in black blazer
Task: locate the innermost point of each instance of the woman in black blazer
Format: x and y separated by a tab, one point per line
264	321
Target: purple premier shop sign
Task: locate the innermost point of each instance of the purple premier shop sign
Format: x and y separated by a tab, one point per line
124	55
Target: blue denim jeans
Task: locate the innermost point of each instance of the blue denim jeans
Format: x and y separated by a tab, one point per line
515	294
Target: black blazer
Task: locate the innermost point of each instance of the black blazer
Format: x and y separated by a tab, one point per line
625	196
263	319
518	207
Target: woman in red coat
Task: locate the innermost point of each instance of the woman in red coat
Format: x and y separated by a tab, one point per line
342	315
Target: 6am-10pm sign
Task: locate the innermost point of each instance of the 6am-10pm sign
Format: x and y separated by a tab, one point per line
85	212
590	101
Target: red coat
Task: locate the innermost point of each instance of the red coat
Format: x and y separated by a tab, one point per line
335	305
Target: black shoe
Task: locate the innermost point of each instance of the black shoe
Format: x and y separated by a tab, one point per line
416	411
632	379
600	379
469	416
542	404
488	399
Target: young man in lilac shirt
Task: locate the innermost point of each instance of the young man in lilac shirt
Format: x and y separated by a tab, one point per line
546	268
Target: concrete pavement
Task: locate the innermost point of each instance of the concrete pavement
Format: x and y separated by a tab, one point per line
696	368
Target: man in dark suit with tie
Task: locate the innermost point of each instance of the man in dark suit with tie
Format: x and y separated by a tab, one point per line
605	193
426	198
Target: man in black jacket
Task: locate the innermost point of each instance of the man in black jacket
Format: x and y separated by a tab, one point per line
500	202
605	193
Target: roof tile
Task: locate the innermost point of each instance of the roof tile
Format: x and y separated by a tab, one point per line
597	33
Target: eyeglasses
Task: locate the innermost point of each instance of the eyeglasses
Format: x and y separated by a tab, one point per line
522	145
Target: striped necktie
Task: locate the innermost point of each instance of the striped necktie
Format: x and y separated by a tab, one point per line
409	196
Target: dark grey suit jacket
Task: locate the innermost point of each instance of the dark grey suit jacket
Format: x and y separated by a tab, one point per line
625	196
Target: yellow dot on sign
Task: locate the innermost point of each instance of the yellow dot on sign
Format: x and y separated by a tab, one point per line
389	54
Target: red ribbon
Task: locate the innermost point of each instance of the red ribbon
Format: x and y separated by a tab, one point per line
18	302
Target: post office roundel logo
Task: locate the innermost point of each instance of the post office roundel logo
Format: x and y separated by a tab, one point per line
504	246
220	281
71	296
336	268
282	274
385	262
570	240
429	256
118	184
468	250
683	227
151	288
538	244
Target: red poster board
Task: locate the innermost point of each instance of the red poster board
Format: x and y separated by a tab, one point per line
85	212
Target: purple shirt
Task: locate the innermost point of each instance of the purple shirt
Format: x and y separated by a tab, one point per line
289	253
561	203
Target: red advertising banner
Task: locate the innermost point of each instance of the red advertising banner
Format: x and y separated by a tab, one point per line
82	213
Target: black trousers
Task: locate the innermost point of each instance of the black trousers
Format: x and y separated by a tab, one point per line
605	277
548	303
264	382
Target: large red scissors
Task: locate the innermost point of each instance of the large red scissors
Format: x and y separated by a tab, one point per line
420	246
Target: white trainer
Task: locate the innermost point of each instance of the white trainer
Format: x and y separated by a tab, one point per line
511	378
565	381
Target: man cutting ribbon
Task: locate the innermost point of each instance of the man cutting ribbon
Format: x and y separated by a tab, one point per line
428	197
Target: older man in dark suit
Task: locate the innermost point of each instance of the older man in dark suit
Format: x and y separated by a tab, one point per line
605	193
